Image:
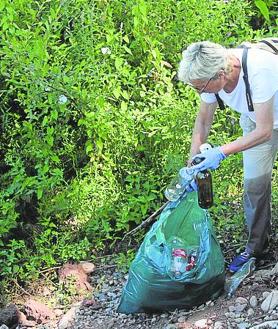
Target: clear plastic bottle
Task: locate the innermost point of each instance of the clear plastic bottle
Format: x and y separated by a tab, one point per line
185	176
179	262
178	185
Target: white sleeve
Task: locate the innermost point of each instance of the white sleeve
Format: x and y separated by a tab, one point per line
208	98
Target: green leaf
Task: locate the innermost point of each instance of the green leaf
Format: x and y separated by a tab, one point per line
127	50
39	193
124	106
263	9
117	92
89	147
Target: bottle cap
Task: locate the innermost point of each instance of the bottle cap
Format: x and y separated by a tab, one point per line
186	173
205	147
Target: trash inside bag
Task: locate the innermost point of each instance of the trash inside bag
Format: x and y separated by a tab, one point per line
178	265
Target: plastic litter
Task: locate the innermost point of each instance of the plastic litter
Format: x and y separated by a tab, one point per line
233	283
179	264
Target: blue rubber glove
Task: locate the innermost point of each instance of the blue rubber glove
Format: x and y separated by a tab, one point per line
192	186
187	176
212	159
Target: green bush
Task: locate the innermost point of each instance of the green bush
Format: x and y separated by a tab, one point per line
92	124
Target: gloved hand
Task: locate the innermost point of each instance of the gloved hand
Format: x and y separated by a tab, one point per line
212	159
192	186
187	178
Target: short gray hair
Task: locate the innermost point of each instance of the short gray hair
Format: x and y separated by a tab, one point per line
202	61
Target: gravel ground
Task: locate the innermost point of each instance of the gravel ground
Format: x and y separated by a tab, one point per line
242	311
254	306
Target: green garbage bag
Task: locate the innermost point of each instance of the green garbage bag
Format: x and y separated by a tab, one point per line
153	282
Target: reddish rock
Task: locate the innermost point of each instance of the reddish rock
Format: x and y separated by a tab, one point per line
76	271
38	312
88	267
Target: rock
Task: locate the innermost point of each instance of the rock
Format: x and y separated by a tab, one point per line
270	302
110	324
4	327
218	325
24	322
243	325
75	271
250	312
241	300
201	324
267	324
9	316
267	273
232	308
181	319
68	319
274	271
240	307
38	311
265	294
88	267
253	301
171	326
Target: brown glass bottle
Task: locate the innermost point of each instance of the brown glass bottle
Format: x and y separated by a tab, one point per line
204	183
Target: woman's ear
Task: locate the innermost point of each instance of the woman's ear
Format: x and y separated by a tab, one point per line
221	73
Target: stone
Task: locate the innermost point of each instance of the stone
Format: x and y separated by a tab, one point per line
201	324
58	312
68	319
270	302
75	274
24	322
274	271
181	319
267	324
253	301
250	312
243	325
232	308
265	294
9	316
38	311
241	300
218	325
267	273
4	327
240	307
171	326
88	267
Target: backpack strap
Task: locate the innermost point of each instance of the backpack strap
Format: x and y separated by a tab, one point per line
270	45
246	81
220	102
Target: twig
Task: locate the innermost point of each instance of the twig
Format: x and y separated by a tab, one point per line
233	248
265	266
22	289
146	222
50	269
47	279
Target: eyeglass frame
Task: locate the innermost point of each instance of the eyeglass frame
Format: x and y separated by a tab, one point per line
204	87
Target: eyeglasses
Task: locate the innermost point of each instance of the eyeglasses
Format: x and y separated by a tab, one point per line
201	90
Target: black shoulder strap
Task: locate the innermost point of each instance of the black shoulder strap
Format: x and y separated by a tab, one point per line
270	45
220	102
246	81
